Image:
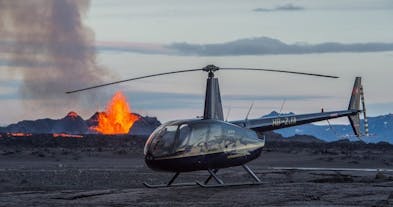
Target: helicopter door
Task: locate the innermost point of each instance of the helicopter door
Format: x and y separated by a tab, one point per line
215	141
198	138
182	143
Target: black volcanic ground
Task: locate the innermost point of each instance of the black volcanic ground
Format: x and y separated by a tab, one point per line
109	170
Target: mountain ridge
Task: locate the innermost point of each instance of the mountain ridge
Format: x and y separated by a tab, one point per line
380	129
72	123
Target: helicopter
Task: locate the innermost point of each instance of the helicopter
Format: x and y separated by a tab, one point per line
211	143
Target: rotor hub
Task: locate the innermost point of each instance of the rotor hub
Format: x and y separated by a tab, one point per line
211	69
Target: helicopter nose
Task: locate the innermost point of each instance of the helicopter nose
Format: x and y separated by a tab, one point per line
148	157
154	164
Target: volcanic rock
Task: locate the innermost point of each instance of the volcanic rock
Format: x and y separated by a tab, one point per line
72	123
144	126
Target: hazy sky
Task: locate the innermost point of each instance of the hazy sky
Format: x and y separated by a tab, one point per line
144	37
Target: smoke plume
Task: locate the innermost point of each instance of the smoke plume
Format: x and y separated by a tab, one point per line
47	43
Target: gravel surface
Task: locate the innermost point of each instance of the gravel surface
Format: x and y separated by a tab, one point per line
111	174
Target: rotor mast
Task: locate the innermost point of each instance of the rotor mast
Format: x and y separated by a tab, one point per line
213	104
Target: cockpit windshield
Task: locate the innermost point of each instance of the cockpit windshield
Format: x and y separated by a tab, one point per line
162	142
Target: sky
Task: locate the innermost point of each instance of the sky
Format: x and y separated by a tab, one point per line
347	38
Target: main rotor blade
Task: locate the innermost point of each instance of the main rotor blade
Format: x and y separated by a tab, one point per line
131	79
281	71
201	69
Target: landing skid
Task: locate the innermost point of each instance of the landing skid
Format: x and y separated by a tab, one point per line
205	184
226	185
167	186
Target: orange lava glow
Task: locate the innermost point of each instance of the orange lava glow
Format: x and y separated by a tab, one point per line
20	134
72	114
117	119
67	135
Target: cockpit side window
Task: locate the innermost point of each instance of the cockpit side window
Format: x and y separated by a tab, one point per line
236	137
183	139
198	137
215	139
162	144
251	137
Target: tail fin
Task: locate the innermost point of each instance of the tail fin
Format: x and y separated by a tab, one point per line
354	104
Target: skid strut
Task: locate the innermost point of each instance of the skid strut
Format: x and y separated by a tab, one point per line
251	173
213	174
222	184
210	176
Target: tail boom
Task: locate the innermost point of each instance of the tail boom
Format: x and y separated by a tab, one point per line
279	122
284	121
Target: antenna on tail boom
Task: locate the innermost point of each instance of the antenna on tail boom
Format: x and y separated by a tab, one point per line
249	110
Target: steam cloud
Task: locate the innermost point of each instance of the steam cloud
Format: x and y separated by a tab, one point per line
48	44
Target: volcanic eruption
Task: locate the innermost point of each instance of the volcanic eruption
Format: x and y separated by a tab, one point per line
51	48
117	118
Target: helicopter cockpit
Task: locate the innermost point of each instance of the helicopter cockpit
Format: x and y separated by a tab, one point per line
196	137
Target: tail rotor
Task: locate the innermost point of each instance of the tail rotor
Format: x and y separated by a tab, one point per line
365	119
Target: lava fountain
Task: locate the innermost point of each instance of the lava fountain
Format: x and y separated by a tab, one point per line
117	118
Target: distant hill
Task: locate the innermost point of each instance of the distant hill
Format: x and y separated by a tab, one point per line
380	128
72	123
